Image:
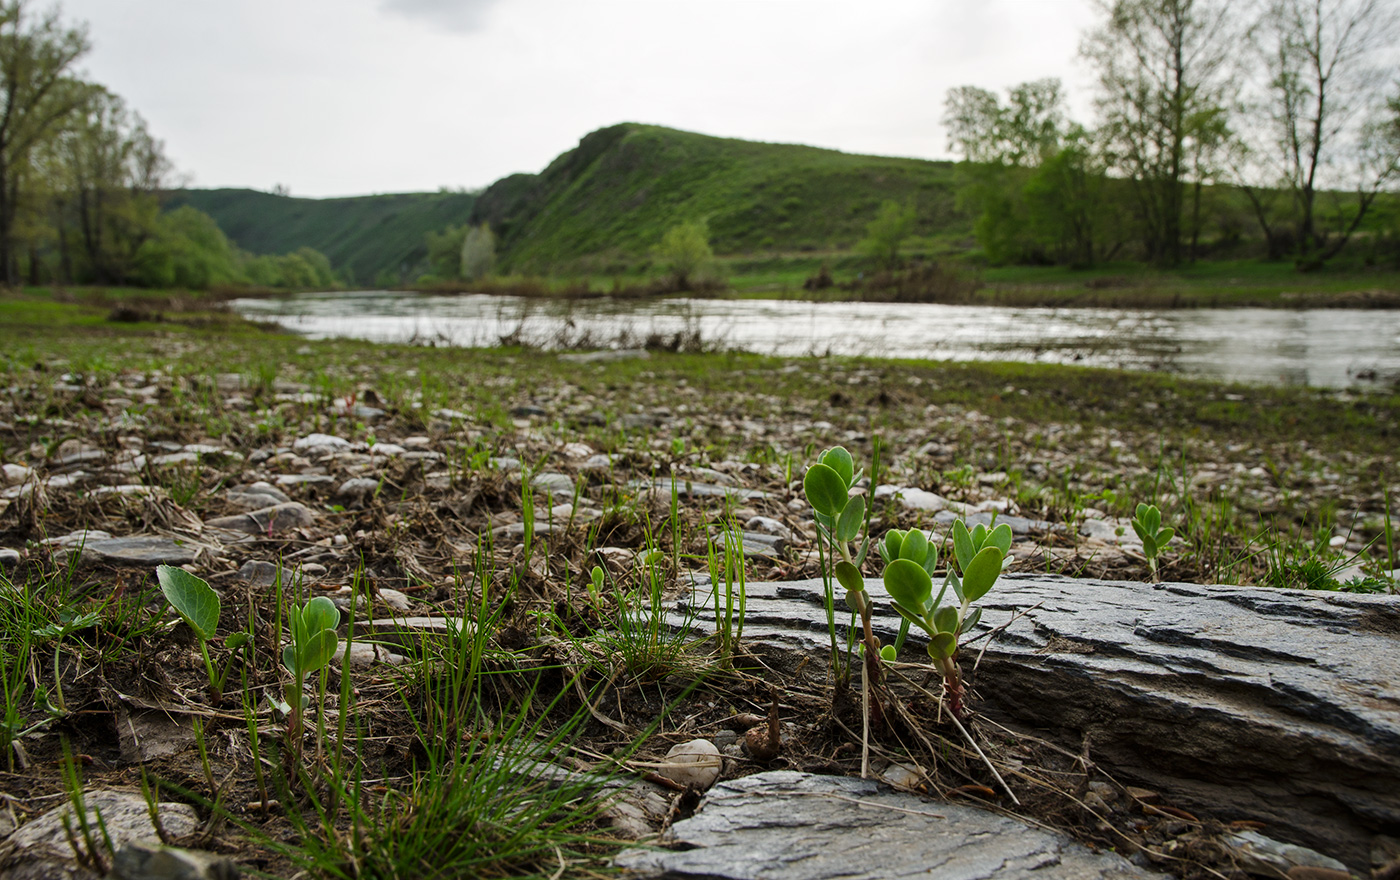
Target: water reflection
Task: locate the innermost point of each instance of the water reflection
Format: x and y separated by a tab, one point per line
1332	348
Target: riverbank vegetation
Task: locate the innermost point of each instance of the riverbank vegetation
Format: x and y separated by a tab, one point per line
481	491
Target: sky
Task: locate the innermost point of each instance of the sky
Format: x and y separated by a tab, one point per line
349	97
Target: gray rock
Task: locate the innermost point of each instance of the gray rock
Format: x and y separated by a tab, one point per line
321	444
143	550
601	462
1264	855
505	464
525	412
40	848
257	573
268	520
145	861
1020	525
71	452
356	489
255	496
694	489
784	825
304	479
558	485
769	526
78	538
14	474
1279	706
917	499
9	557
148	734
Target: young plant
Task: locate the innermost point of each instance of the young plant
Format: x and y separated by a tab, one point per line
840	521
313	644
1147	522
198	605
980	554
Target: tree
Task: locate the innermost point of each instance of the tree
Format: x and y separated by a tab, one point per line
685	248
445	251
478	256
1161	65
1315	121
1022	133
886	233
37	94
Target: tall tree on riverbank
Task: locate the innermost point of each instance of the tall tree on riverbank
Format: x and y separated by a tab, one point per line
1315	120
1163	68
38	94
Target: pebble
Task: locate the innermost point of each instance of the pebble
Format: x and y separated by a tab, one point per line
695	764
9	557
321	444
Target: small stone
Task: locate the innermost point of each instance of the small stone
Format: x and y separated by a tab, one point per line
14	474
695	764
144	861
364	654
268	520
9	557
257	573
577	450
525	412
71	452
41	847
255	496
903	776
142	550
553	484
1265	855
356	489
768	526
321	444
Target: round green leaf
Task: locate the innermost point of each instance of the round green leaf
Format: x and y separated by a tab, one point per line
915	546
981	573
942	645
839	460
192	599
849	576
908	584
825	490
320	614
1149	546
889	550
962	545
1164	537
888	653
1000	537
945	619
852	518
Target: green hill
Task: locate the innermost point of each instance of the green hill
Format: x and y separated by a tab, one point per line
607	202
362	235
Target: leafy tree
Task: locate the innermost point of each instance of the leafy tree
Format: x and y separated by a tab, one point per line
1161	65
187	250
445	251
37	95
1022	133
478	255
685	248
1315	122
886	233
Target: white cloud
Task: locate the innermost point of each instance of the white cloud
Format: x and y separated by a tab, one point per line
464	16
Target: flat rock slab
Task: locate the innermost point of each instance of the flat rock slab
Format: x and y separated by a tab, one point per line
40	849
1279	706
267	520
142	550
784	825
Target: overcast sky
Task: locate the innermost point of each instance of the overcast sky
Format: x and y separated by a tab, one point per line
344	97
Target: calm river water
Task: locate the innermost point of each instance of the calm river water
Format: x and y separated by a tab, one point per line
1331	348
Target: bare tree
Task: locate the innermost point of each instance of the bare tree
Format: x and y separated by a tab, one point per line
36	96
1164	67
1323	96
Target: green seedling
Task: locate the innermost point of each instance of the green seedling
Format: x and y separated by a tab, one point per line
198	605
841	521
1147	522
980	554
595	587
313	644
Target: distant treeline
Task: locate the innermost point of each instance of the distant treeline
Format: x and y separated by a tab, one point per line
1215	118
82	180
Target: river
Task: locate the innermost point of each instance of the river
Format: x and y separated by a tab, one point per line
1333	348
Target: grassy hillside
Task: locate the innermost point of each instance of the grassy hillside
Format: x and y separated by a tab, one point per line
365	235
603	205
